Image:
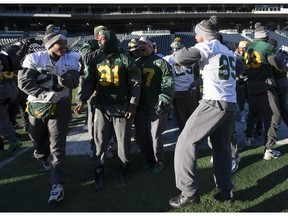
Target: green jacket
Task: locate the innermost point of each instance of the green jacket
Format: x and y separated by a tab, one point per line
116	79
157	83
259	70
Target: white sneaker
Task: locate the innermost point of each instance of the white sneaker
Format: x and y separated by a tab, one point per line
271	154
249	141
235	163
243	117
57	194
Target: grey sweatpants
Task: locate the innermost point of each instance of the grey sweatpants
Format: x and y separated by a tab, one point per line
149	129
211	118
233	142
103	131
49	136
266	106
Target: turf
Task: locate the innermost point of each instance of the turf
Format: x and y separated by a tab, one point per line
260	186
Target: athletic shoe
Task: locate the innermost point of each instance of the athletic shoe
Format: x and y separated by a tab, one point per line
249	141
46	165
224	196
13	147
98	181
159	167
235	163
181	201
57	194
271	154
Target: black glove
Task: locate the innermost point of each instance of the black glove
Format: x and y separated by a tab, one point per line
162	107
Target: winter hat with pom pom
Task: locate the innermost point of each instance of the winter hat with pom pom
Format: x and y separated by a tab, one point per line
261	31
207	28
52	36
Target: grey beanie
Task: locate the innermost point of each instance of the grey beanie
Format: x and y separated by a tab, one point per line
261	32
146	40
52	36
206	29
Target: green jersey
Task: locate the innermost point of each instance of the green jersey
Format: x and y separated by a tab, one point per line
259	70
157	83
117	81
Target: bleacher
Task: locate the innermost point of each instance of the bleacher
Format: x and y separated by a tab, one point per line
9	40
281	39
187	38
163	41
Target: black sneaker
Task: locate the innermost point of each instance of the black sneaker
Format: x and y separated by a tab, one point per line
98	182
181	201
124	174
223	196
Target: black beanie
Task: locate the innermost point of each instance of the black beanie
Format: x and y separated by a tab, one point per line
52	36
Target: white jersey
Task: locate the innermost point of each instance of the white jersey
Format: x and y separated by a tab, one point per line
183	76
218	68
38	60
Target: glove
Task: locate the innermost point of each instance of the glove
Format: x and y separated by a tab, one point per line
50	97
162	107
52	69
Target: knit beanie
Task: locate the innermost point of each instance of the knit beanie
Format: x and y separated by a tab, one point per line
97	29
132	45
243	44
261	32
206	29
52	36
146	40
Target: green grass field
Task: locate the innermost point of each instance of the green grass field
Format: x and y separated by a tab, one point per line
260	186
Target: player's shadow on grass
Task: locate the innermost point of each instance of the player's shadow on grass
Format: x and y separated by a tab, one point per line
278	201
263	185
